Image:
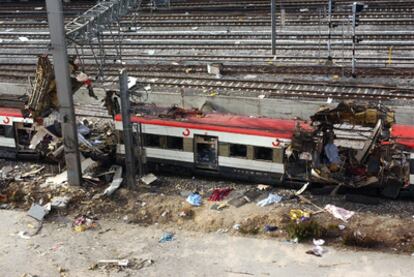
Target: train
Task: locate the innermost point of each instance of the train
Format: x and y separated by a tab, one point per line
16	130
376	153
265	150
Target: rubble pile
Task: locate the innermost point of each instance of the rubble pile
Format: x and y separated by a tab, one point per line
350	145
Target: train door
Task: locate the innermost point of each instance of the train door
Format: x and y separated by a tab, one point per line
206	152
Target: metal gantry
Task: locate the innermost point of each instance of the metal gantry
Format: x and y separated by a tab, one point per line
93	21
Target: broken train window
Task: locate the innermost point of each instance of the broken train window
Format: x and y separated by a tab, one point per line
263	153
152	140
6	131
238	150
175	143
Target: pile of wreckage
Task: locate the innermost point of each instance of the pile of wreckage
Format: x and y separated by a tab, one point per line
350	145
96	138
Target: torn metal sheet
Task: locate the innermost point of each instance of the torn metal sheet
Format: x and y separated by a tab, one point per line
349	145
37	212
62	178
116	181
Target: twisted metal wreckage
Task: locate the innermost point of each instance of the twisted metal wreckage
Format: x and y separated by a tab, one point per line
355	146
350	145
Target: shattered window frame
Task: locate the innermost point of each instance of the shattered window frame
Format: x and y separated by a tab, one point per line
172	141
150	138
258	149
236	155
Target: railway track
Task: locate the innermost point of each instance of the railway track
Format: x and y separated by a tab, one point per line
20	72
228	35
231	86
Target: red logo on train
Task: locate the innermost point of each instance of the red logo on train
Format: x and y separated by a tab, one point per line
6	120
276	143
186	133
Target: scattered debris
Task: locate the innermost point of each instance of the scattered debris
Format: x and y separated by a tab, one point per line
167	236
23	235
270	228
339	213
237	226
132	81
116	181
271	199
33	172
219	194
215	69
60	202
302	189
37	211
83	223
194	199
317	249
263	187
219	207
123	262
58	180
149	179
299	215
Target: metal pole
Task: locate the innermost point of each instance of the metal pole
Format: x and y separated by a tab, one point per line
353	38
329	29
64	90
273	17
127	130
138	132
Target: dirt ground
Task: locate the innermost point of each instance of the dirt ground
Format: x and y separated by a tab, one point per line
150	209
59	251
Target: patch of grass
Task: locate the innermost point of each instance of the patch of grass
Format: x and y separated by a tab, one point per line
305	230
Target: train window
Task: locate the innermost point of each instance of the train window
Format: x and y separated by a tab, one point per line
152	140
175	143
8	132
238	150
263	153
2	130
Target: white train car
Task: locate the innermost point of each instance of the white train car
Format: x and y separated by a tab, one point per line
257	149
15	132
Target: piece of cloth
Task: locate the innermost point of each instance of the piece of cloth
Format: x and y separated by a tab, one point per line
339	213
167	236
332	153
270	228
271	199
219	194
194	199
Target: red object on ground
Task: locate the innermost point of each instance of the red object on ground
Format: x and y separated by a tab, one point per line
219	194
87	82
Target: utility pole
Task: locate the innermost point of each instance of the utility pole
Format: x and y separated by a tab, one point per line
273	17
64	90
356	10
127	128
331	8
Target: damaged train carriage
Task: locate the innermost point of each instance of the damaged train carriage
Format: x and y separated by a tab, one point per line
29	126
350	145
